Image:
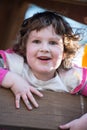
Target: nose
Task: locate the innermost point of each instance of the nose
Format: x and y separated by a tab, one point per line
45	47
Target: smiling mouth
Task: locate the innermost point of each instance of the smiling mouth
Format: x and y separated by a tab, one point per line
44	58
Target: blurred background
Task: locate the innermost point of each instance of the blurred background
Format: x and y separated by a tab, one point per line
13	12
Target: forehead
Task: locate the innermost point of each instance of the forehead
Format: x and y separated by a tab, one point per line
45	32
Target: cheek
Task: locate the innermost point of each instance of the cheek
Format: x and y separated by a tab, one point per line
29	49
29	58
58	53
58	57
29	52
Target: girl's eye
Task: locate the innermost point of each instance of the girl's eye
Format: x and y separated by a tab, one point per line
36	41
53	43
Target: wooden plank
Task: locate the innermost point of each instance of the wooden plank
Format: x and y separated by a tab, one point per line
65	7
54	109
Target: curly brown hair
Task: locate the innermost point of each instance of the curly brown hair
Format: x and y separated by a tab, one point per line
42	20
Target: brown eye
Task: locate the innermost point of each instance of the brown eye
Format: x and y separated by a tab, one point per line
36	41
53	43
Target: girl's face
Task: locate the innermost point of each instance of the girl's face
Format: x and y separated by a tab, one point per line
44	52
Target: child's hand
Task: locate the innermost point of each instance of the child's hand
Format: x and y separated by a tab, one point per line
21	89
77	124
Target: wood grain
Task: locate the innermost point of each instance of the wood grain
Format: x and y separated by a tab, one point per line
54	109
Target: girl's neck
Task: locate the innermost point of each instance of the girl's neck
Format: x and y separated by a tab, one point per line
45	76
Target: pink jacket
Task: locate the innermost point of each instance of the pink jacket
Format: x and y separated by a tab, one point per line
3	71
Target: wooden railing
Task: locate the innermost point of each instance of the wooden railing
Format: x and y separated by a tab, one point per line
54	109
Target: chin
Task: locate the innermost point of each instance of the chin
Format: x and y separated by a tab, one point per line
46	71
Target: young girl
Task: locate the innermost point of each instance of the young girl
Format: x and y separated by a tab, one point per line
42	59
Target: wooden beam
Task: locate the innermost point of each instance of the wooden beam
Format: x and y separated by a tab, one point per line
76	10
75	2
54	109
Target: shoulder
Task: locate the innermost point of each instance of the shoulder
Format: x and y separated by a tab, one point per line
72	77
70	72
10	56
13	56
12	60
8	52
